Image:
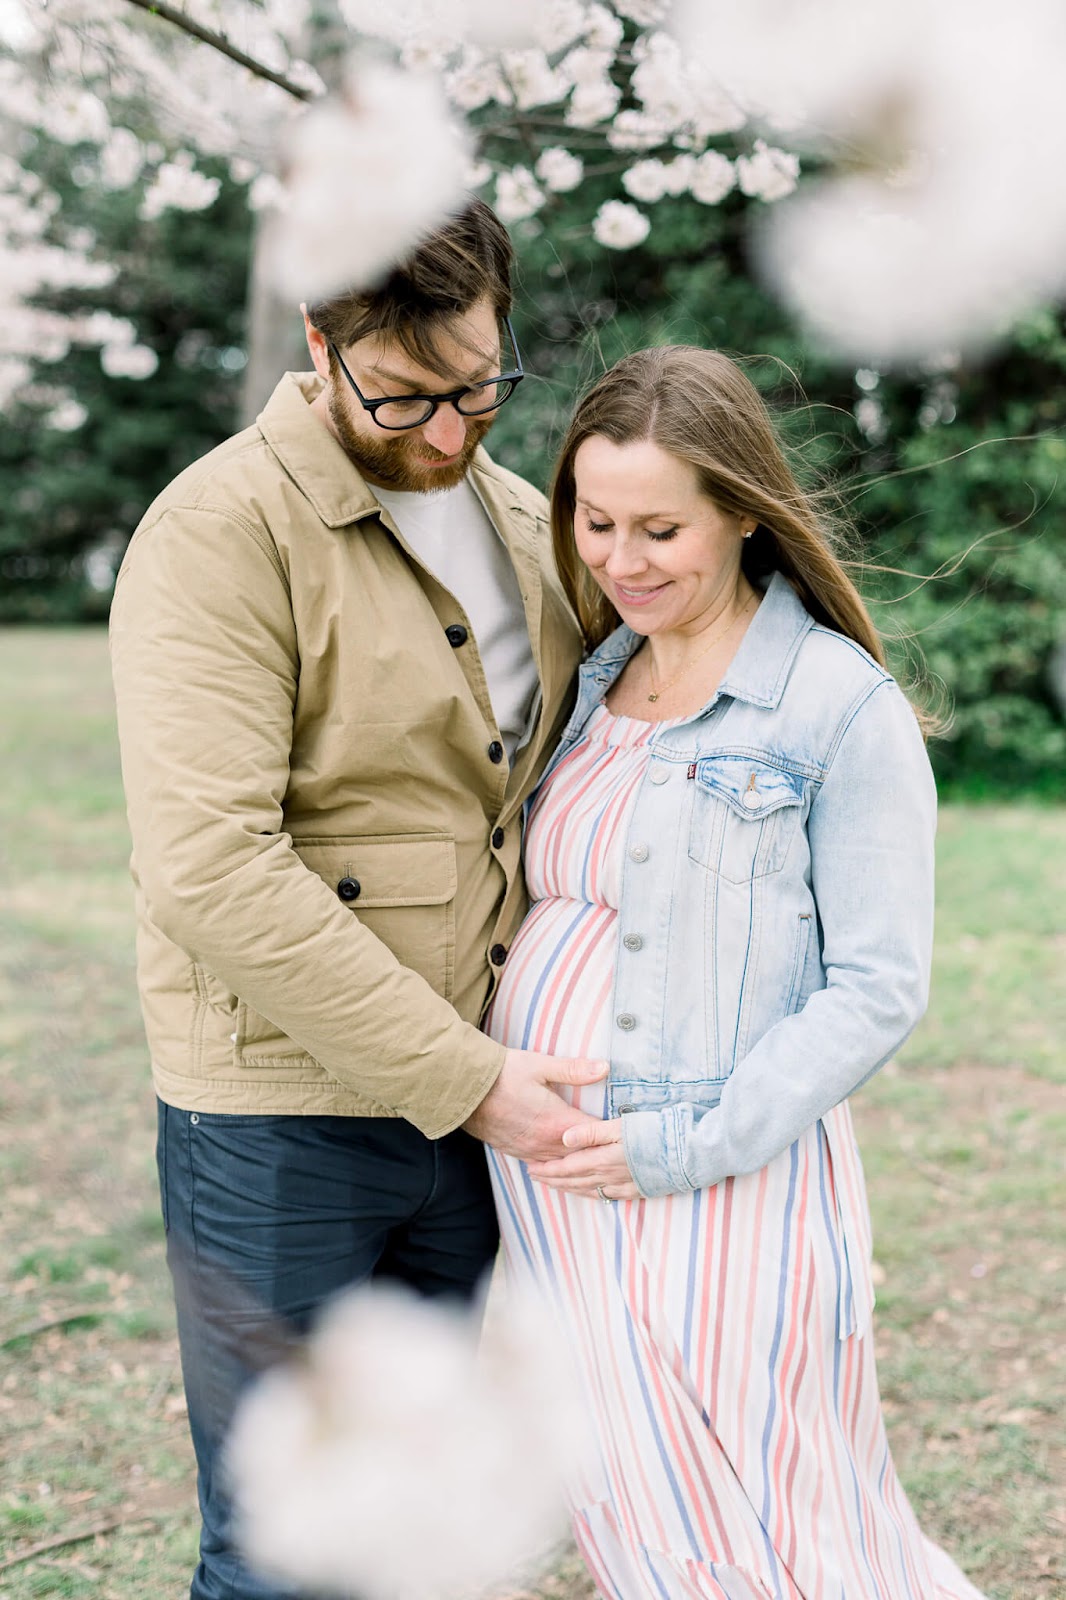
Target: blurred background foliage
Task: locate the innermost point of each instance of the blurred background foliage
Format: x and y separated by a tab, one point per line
952	474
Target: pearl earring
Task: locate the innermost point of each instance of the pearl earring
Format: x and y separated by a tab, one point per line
748	533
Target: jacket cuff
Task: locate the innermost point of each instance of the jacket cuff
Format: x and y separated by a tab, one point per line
651	1141
480	1069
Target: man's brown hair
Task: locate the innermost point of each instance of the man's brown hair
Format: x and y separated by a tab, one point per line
466	260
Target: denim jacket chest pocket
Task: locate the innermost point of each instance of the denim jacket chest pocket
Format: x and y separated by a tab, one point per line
744	816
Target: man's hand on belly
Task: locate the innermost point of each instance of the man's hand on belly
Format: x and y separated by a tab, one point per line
522	1115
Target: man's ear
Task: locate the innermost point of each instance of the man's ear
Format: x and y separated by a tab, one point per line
316	344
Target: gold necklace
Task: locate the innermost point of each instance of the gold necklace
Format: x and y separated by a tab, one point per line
715	638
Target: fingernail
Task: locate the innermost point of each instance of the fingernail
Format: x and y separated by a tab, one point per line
569	1138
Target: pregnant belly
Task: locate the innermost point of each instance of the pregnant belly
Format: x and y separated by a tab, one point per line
555	991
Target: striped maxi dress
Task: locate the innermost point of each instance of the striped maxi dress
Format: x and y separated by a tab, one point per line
722	1336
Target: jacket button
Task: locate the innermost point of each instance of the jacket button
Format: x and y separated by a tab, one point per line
498	955
638	852
626	1021
495	752
625	1110
456	635
659	774
349	888
633	941
498	837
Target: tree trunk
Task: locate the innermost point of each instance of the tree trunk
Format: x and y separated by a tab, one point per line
275	336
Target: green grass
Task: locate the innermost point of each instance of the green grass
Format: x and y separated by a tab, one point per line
963	1140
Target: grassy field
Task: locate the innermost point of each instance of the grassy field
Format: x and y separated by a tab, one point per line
963	1138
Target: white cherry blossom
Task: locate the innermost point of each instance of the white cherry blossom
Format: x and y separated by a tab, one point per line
768	173
473	81
136	361
559	170
645	13
394	131
394	1460
620	226
593	103
178	186
559	23
713	176
121	159
635	130
517	194
604	30
646	180
529	80
584	66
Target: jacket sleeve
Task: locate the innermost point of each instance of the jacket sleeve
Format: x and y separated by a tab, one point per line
871	830
206	671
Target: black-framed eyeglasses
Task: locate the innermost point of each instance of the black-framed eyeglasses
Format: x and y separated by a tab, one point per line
399	411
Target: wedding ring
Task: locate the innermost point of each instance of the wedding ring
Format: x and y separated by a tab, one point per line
604	1197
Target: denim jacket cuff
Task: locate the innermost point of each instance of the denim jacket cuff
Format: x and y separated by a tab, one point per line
652	1144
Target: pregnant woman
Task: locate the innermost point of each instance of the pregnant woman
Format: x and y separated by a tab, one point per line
730	861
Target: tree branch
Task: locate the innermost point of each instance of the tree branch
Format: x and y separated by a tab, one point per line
66	1539
219	42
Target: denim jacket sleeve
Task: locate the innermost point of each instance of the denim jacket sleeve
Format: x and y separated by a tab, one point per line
870	830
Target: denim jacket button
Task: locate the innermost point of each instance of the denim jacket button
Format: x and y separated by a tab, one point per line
623	1110
638	852
633	941
659	775
626	1021
751	799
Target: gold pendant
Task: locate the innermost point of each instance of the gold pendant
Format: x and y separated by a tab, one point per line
653	698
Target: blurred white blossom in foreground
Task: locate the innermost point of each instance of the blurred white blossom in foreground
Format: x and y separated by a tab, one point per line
365	177
943	213
397	1462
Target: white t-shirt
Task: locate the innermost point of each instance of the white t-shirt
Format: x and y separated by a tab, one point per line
451	533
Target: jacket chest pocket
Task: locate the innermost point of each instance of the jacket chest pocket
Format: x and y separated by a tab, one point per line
745	813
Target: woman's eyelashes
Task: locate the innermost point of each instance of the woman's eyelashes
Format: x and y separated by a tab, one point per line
652	533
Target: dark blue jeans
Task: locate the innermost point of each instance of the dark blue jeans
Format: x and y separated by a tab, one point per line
266	1218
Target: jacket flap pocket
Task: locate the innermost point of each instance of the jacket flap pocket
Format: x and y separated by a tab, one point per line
387	869
750	787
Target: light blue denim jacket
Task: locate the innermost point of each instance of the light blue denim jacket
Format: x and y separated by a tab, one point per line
776	916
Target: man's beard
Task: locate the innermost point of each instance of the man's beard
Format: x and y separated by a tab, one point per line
392	461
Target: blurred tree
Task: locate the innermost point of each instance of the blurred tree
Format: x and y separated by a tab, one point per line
953	471
98	432
953	474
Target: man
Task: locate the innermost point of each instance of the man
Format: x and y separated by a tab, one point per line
341	660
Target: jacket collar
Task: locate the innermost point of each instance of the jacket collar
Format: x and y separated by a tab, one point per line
759	670
335	486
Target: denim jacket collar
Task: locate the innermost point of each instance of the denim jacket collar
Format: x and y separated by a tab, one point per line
759	670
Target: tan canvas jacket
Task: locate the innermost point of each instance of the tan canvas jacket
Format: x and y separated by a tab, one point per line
325	852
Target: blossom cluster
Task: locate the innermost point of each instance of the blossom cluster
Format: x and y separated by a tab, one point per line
931	223
384	1462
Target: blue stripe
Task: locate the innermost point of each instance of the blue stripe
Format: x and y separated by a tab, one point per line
503	1198
830	1228
775	1350
886	1468
649	1407
533	1017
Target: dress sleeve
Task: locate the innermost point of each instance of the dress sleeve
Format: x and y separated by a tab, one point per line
871	830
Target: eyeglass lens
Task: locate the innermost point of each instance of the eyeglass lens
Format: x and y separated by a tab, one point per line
471	403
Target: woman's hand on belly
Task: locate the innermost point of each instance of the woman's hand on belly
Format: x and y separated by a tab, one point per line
596	1165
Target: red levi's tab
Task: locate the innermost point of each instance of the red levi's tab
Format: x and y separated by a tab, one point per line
691	773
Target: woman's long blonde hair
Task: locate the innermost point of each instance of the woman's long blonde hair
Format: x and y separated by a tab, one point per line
698	405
